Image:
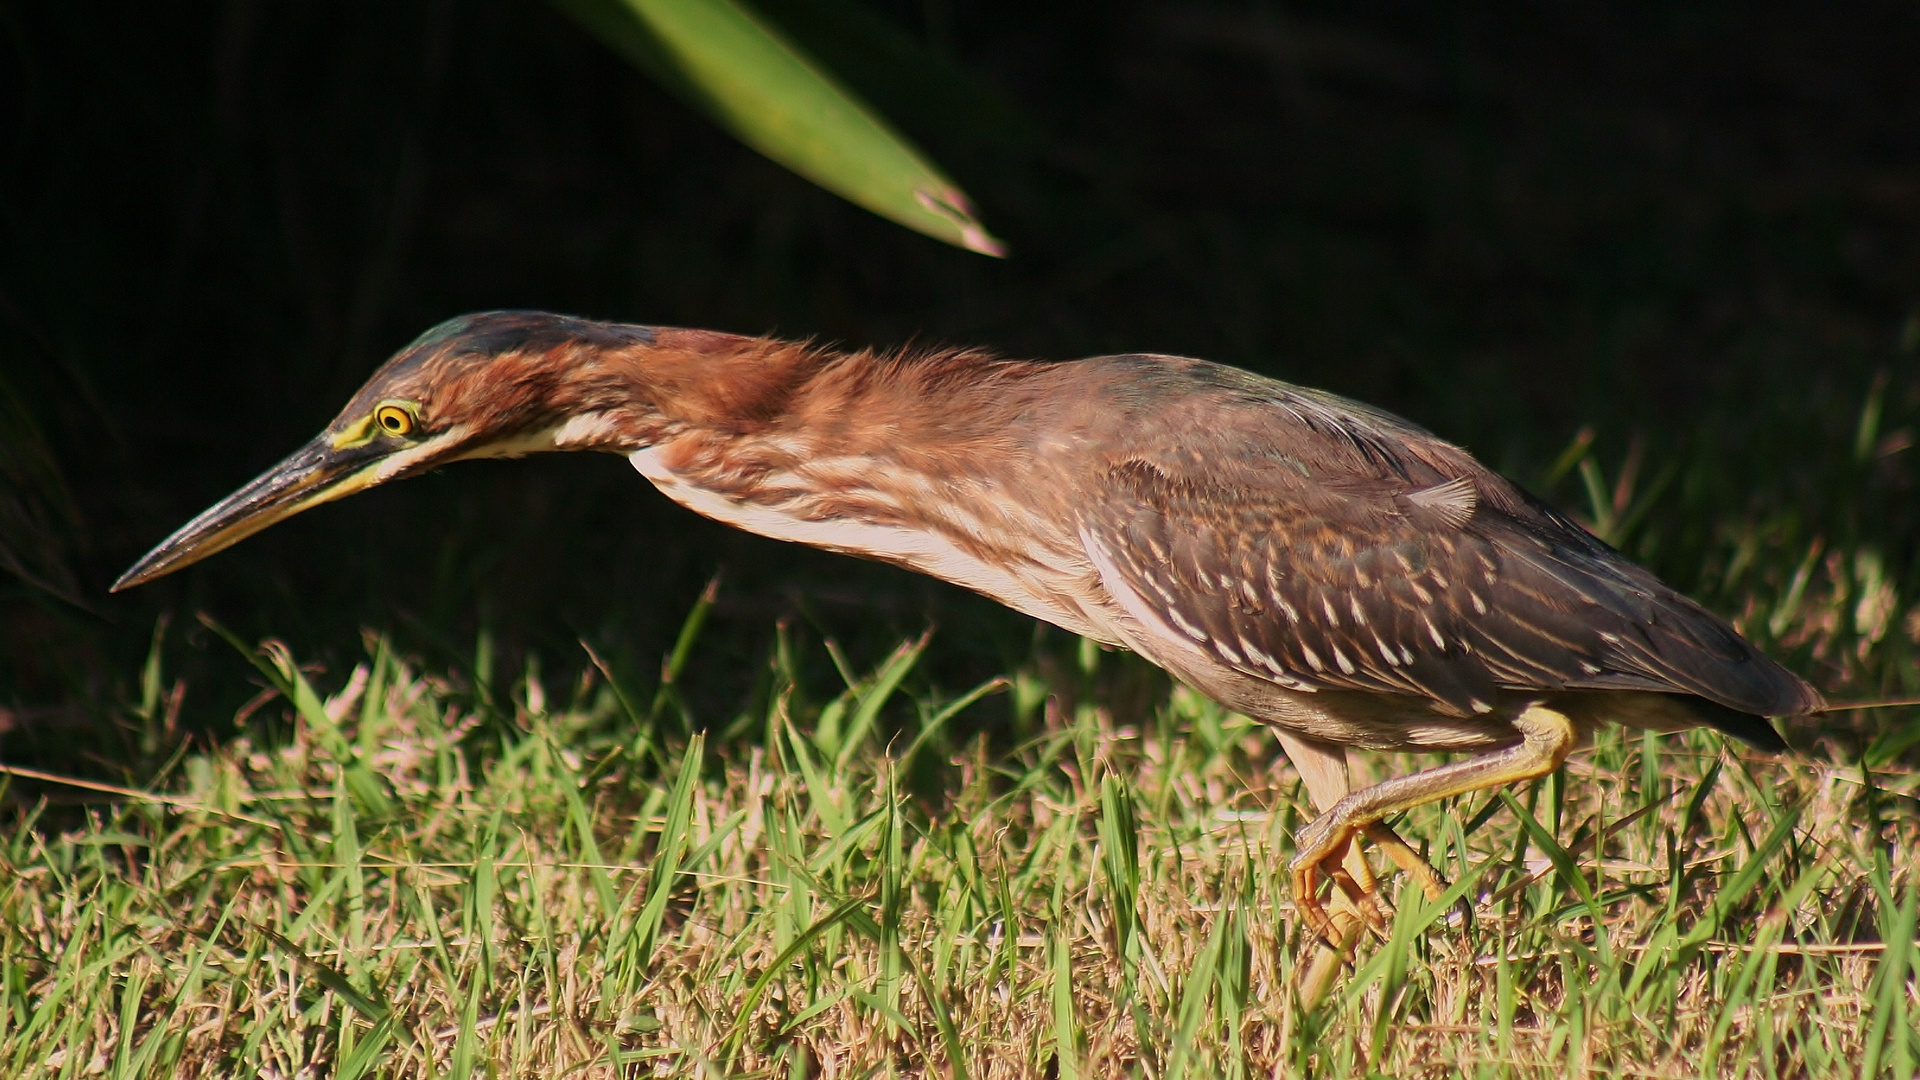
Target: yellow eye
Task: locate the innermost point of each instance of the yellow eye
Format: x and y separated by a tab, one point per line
393	420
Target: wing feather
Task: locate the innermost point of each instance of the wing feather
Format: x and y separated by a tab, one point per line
1368	568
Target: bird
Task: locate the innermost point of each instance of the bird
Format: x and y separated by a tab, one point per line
1323	566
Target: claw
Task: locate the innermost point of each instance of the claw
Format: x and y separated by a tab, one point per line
1323	847
1306	900
1359	885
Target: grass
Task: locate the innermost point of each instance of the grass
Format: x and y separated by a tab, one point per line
409	877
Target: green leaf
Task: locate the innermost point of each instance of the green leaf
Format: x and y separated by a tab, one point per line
727	61
924	91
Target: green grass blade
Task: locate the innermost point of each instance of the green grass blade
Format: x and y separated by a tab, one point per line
1738	998
1120	849
1750	874
373	700
892	893
1195	995
696	620
820	788
132	992
705	851
150	677
874	696
348	856
947	712
674	839
371	1004
1564	866
582	822
738	1031
466	1039
1066	1040
368	1051
1888	995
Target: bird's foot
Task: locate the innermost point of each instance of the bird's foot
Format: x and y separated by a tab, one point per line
1353	877
1322	852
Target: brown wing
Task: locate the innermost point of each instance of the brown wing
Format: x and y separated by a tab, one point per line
1367	568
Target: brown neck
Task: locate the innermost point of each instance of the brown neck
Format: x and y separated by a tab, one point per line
929	461
703	378
802	399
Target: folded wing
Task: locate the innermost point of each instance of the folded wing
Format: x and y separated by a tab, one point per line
1330	558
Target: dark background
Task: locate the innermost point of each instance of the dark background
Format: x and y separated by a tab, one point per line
1689	226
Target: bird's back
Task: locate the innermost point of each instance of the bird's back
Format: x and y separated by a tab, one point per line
1309	541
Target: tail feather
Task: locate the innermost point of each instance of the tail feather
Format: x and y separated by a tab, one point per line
1753	730
1697	652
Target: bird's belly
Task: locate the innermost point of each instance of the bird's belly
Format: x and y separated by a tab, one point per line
924	550
1389	722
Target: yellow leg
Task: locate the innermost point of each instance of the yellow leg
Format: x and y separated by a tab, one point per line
1323	768
1548	736
1356	907
1354	877
1407	859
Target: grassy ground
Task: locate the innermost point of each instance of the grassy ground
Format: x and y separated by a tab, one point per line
390	873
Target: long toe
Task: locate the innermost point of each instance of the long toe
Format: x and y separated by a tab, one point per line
1420	870
1306	901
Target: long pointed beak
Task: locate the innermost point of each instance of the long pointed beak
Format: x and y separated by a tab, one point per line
314	474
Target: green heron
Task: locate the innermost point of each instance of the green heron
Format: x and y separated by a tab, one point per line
1324	566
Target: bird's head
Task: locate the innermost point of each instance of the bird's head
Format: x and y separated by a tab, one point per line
496	384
